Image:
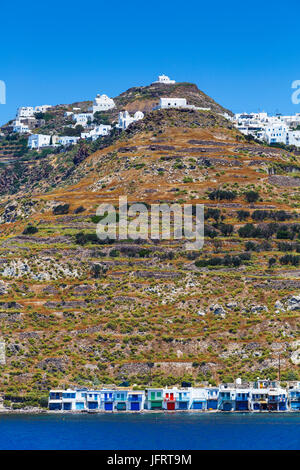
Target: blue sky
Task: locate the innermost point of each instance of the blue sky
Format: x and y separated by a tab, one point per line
243	54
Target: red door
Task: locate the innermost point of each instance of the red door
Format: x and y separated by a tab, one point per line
171	406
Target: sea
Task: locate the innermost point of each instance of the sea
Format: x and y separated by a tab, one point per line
153	431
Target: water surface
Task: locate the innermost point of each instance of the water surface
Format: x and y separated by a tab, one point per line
182	431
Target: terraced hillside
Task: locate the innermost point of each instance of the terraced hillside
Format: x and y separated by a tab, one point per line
77	311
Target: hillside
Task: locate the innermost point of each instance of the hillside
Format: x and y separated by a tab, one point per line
78	312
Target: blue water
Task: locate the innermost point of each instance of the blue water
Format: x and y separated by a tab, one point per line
160	431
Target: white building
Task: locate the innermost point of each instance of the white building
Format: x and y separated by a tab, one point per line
276	134
29	111
165	103
83	118
98	131
36	141
65	140
20	127
125	119
102	103
25	112
165	80
293	138
42	109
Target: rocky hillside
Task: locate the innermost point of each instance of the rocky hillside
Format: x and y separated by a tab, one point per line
76	311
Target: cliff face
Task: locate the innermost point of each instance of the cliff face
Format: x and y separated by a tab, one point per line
75	311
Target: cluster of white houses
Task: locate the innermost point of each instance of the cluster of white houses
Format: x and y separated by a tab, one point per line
26	119
271	129
262	395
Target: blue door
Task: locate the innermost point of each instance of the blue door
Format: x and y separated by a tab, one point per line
92	405
54	406
227	407
67	406
135	406
183	405
80	405
241	405
108	406
198	405
212	404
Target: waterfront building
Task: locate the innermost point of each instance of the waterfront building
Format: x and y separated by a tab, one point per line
277	399
212	394
93	399
227	396
120	400
242	399
169	396
107	399
154	398
294	397
198	399
135	400
183	398
55	400
262	395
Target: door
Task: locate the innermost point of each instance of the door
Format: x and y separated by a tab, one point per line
80	405
227	407
183	405
135	406
92	405
67	406
121	406
171	406
198	405
108	406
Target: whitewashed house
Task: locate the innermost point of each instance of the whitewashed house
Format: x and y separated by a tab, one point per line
165	103
181	103
66	140
20	127
25	112
83	118
98	131
165	80
276	133
36	141
293	138
102	103
125	119
42	109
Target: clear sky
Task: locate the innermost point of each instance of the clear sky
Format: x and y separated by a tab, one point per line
243	54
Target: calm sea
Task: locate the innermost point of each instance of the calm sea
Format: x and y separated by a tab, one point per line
153	431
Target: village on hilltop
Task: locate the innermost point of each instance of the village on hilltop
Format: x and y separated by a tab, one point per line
269	129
